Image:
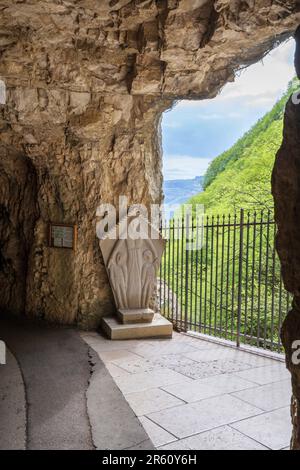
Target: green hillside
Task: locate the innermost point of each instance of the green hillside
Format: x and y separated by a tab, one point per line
241	176
231	285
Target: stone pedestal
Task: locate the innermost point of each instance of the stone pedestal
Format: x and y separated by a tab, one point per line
159	327
137	315
132	264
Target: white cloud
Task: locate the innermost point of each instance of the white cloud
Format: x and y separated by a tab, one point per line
184	166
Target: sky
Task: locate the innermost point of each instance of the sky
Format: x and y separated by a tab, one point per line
195	132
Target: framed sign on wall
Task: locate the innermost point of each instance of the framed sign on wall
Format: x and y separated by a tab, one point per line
63	236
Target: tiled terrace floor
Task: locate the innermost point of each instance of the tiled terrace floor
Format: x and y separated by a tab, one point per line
193	394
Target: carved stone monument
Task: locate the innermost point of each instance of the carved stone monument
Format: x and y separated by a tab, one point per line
132	265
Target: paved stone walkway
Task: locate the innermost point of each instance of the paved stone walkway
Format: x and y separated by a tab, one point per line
55	393
193	394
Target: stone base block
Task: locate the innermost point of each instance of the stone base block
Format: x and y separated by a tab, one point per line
158	328
137	315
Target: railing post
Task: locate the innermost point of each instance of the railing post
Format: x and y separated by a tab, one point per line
187	233
240	281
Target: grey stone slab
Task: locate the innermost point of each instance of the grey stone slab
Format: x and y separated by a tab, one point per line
196	343
110	356
101	344
223	438
231	365
159	327
151	400
272	429
146	380
115	371
12	406
178	363
157	434
202	416
200	370
135	365
226	383
223	353
144	445
186	366
268	397
161	348
135	315
179	444
265	375
208	387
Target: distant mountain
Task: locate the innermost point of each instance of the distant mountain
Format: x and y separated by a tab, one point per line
179	191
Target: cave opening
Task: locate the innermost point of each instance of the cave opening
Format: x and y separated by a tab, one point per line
220	154
218	158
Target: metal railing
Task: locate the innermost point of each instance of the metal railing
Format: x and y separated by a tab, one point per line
229	286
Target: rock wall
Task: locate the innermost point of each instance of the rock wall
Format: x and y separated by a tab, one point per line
286	191
86	83
18	213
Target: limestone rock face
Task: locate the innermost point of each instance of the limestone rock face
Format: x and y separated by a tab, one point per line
286	191
18	213
86	83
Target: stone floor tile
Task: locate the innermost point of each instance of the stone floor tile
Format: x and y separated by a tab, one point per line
225	353
136	364
193	392
110	356
101	344
208	387
160	348
188	367
180	364
179	444
143	381
271	429
193	418
149	401
115	371
196	342
266	375
223	438
158	436
268	397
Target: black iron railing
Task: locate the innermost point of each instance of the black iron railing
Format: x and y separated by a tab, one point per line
221	276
